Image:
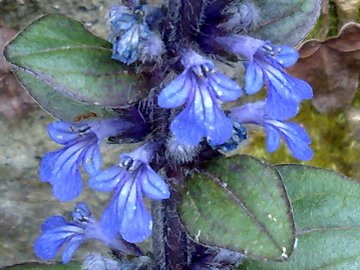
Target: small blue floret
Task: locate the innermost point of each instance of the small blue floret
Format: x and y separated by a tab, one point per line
200	85
126	214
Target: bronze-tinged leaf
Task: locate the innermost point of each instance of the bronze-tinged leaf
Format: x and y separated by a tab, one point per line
332	68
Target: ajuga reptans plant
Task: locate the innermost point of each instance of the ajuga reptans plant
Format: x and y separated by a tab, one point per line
193	111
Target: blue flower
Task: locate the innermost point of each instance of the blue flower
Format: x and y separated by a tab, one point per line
199	86
294	135
131	36
57	232
265	63
126	214
81	147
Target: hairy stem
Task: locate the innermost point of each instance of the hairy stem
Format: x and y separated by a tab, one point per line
170	245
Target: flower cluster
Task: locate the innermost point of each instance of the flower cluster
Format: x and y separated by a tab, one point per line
133	33
190	91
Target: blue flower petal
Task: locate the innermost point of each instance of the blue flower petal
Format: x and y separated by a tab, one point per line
45	249
47	166
283	98
48	244
254	78
65	159
176	93
114	212
61	132
71	247
110	218
295	137
278	107
53	222
303	89
107	180
225	88
152	184
223	128
186	126
92	159
202	118
61	169
68	186
273	139
136	225
285	55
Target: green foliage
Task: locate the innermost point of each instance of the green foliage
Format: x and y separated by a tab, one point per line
59	105
60	53
38	266
327	220
288	22
240	203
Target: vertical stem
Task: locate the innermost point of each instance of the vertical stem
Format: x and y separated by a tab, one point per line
158	236
169	239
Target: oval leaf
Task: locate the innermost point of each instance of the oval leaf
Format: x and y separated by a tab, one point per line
240	203
59	52
289	24
327	218
58	105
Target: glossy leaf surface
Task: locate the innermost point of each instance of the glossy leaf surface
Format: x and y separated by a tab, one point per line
60	106
285	22
326	213
59	52
240	203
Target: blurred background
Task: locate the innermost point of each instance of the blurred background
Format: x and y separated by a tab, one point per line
330	61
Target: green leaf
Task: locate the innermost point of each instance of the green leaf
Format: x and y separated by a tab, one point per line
327	218
59	52
239	203
284	21
58	105
40	266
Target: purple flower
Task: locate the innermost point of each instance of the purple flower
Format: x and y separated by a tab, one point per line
81	147
294	135
199	86
266	62
57	232
126	214
131	36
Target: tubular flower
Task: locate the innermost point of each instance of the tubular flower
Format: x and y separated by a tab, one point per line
126	214
199	86
265	62
57	232
294	135
81	147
